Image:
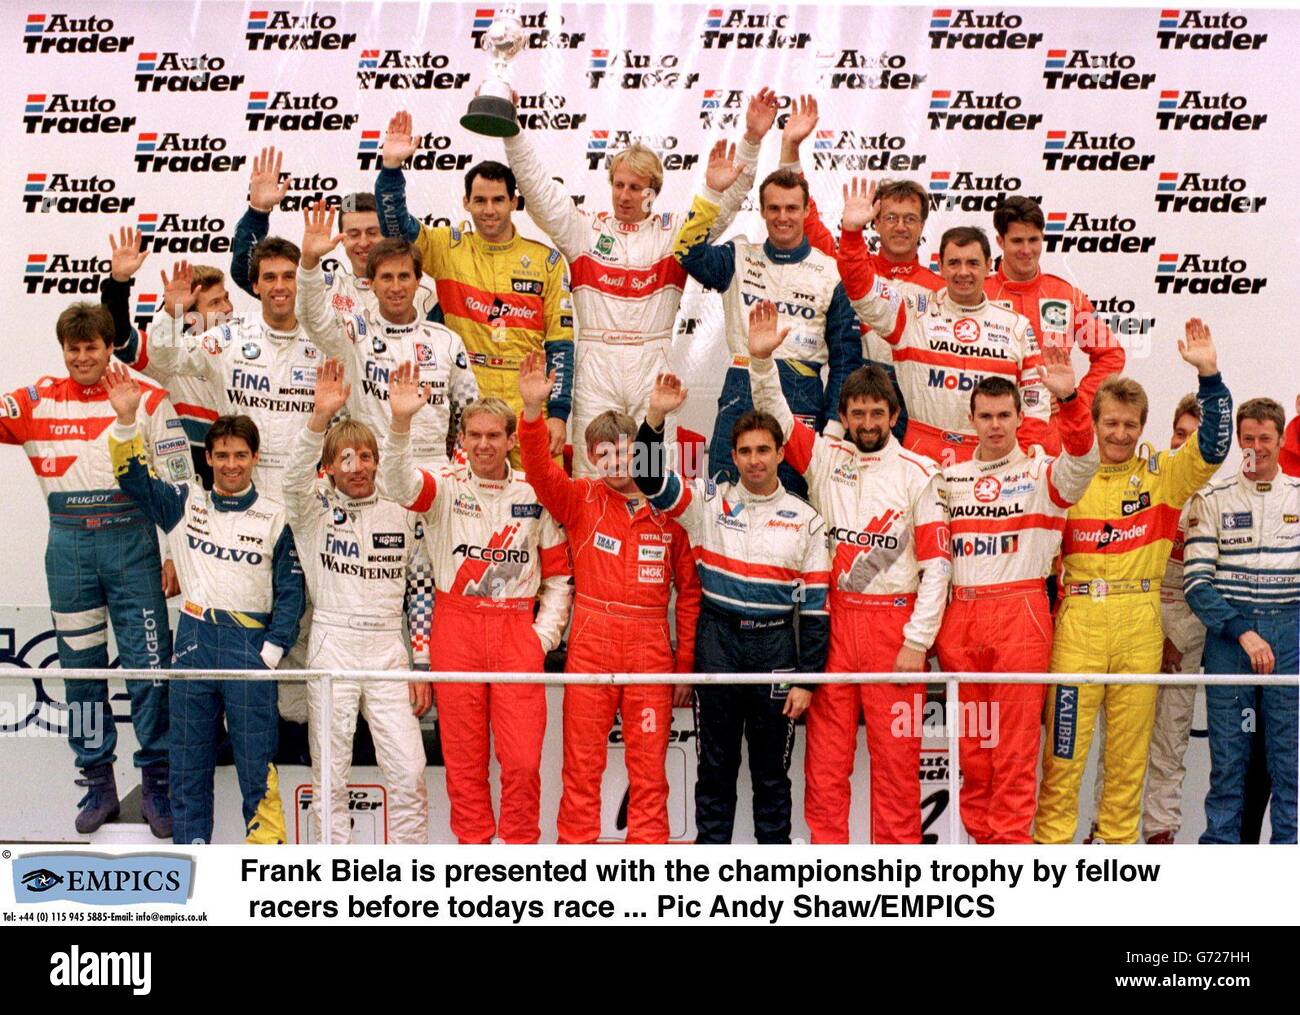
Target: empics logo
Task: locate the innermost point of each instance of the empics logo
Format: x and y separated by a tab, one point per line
639	70
1079	233
61	192
538	32
734	27
849	150
395	69
538	112
1199	30
1194	110
967	191
287	111
65	275
62	114
432	152
1089	71
175	234
177	153
855	70
1194	275
59	33
969	29
1192	192
172	72
1079	150
605	144
966	110
287	30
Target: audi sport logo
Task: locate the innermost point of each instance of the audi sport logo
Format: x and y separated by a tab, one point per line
966	330
988	489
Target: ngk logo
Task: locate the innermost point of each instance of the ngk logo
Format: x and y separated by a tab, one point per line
847	149
639	70
540	31
60	192
537	112
854	69
968	29
1194	110
1201	30
1196	275
966	110
1079	150
59	33
286	111
68	276
432	152
1083	234
1193	192
288	30
1086	70
391	68
64	114
171	72
604	145
965	191
177	153
177	234
736	28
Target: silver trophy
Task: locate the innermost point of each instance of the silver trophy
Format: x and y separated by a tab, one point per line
492	110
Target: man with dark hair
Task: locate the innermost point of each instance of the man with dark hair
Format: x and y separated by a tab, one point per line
243	593
1059	312
761	556
102	557
788	271
503	294
945	344
888	538
345	280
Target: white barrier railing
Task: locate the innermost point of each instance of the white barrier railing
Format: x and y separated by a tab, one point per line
949	680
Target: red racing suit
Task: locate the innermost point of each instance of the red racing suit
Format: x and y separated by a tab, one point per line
1007	517
626	561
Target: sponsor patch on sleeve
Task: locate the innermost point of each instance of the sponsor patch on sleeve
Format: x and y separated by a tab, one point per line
525	511
175	424
12	409
170	445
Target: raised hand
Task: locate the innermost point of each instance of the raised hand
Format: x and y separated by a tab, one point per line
760	115
318	236
265	188
1198	348
127	253
534	383
1057	372
407	395
723	170
859	204
399	143
666	397
764	339
123	392
332	392
798	125
179	294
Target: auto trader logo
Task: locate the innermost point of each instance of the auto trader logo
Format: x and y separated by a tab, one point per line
1197	275
61	192
1081	151
537	30
1196	110
735	27
962	190
1193	192
59	33
1085	70
1198	30
286	30
970	29
102	880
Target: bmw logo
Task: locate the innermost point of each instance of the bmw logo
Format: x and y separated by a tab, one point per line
340	516
252	350
378	344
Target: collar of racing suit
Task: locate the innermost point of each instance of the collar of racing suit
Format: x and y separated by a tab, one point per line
358	503
950	305
792	256
748	497
1258	487
874	459
1017	287
893	269
1014	455
492	487
241	501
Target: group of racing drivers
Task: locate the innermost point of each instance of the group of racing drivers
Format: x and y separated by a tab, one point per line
369	474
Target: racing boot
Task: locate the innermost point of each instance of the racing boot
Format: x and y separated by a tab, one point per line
100	802
155	800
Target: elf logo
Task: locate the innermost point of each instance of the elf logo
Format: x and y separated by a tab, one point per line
1083	234
269	29
849	150
67	276
538	33
969	29
966	191
1195	110
59	33
176	234
536	112
855	70
603	144
60	113
639	70
966	110
178	153
171	72
1199	30
60	192
432	152
1079	150
1197	275
395	69
1193	192
1086	71
287	111
734	27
